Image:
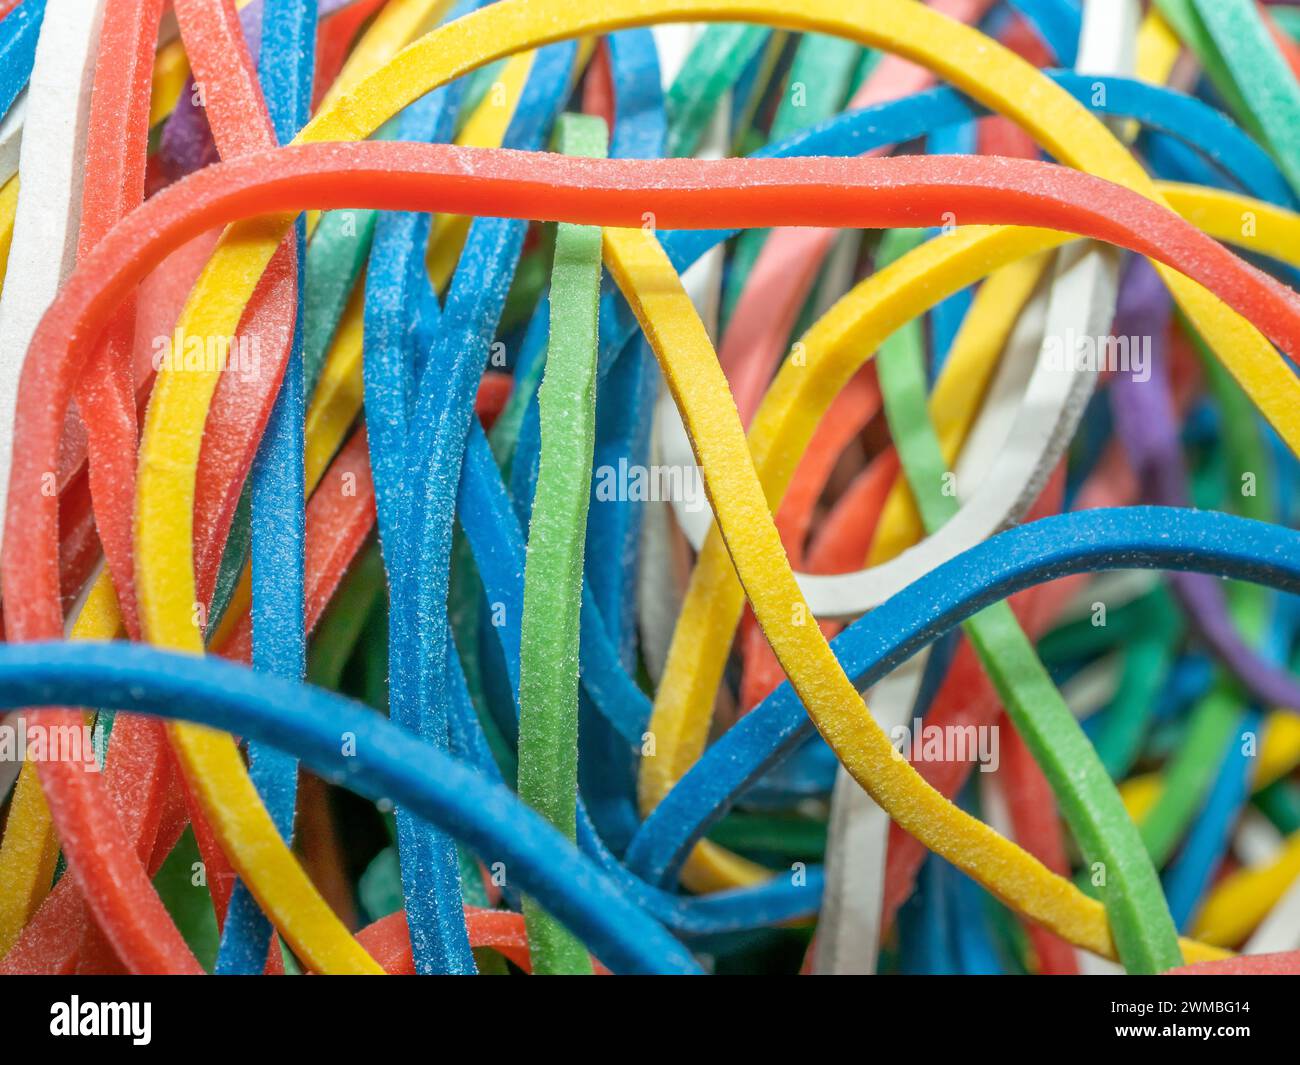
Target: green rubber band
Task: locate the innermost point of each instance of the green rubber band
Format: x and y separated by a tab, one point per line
477	85
372	658
1187	779
1246	486
548	667
743	119
1187	25
1144	932
788	837
1147	660
504	434
1280	803
817	87
712	67
335	255
529	282
465	599
189	905
1082	639
340	627
234	556
1288	20
1261	75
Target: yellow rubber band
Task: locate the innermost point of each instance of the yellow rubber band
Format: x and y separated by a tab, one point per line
8	207
1279	748
1140	794
1242	899
485	128
174	422
1158	48
834	349
649	283
170	71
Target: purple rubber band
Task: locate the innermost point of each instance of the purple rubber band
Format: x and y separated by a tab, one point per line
186	143
1146	423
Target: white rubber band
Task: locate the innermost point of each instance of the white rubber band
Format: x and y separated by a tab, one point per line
49	196
11	138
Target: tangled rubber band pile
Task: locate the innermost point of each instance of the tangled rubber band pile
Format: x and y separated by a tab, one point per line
649	486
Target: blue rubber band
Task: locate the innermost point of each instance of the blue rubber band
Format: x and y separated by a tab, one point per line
1058	22
430	868
1131	538
18	35
497	542
417	476
388	763
286	66
1189	876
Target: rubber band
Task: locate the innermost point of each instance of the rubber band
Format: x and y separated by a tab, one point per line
746	98
1269	89
30	847
389	763
1081	290
548	678
1178	516
47	216
1147	427
474	302
715	600
45	221
429	869
1139	919
11	137
376	146
1114	92
285	68
19	33
8	207
1189	874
